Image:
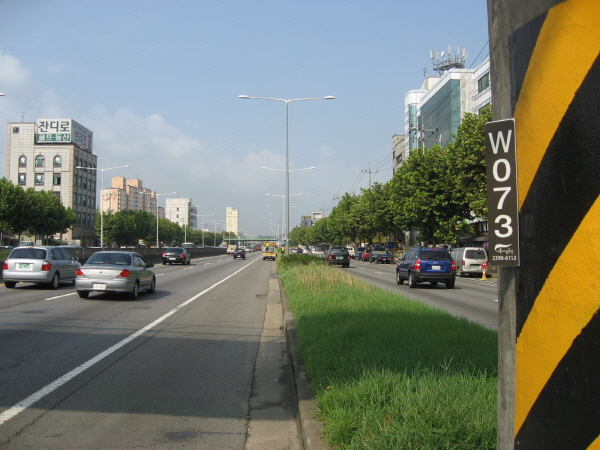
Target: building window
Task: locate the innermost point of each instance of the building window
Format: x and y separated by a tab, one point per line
57	161
22	161
57	194
15	130
56	179
483	83
85	183
39	161
39	179
22	179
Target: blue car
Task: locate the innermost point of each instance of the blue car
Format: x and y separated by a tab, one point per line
433	265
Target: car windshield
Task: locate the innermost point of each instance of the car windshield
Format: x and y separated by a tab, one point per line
435	255
174	249
319	249
338	251
28	253
380	252
110	258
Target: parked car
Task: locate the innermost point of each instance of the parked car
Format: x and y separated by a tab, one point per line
358	252
40	264
426	264
381	256
338	255
239	252
366	254
469	260
176	255
123	272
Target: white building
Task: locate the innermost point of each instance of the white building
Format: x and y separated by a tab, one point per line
232	220
43	156
181	211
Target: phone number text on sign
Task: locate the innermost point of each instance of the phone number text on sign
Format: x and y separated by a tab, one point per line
502	194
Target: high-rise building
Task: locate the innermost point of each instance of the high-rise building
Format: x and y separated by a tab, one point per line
232	220
181	211
44	155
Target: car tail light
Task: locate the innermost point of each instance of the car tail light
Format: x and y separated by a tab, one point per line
454	266
5	266
182	255
124	273
46	266
417	265
164	255
79	272
463	262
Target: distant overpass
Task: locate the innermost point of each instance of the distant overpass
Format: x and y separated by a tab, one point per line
246	240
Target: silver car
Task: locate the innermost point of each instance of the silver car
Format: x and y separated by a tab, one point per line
41	265
108	271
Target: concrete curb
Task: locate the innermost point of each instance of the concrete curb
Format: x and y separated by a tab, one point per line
309	428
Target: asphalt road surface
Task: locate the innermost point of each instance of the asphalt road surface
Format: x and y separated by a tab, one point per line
173	369
472	297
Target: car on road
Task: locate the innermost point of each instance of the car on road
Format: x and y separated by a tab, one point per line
178	255
469	260
381	256
358	252
270	252
117	271
338	256
39	264
366	254
421	264
318	250
239	252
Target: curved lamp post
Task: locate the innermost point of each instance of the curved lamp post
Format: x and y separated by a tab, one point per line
287	158
101	198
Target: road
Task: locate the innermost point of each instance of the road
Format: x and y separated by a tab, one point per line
472	298
173	369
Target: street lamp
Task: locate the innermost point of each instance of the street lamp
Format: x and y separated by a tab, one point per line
284	236
156	195
101	199
203	216
287	158
215	228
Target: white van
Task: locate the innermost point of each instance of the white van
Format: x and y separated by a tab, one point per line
231	249
469	260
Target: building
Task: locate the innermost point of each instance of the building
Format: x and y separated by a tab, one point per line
181	211
44	156
316	216
232	220
126	194
398	151
433	113
306	221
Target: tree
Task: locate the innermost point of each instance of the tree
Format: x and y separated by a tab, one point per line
468	161
12	206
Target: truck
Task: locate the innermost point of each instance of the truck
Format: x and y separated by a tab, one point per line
269	251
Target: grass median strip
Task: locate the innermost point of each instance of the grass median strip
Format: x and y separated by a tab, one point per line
388	372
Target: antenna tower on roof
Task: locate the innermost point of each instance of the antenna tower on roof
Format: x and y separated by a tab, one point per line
455	59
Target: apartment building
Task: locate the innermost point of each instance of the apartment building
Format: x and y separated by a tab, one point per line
232	220
181	211
44	155
124	194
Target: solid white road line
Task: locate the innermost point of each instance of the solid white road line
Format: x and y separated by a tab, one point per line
26	403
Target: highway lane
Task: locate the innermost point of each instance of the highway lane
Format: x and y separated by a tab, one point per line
172	369
472	298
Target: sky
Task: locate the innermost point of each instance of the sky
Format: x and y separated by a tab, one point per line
157	82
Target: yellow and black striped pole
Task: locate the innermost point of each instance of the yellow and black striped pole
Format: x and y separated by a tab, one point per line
545	59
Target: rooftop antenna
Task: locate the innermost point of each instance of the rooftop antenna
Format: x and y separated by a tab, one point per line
454	60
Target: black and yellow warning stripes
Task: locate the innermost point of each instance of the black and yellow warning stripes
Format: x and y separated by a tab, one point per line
555	81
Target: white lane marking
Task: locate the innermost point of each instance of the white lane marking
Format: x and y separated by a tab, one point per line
60	296
26	403
207	264
159	274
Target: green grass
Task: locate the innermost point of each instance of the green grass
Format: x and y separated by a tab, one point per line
387	372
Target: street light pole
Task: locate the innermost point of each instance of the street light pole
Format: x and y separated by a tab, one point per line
284	198
156	195
203	216
101	198
287	153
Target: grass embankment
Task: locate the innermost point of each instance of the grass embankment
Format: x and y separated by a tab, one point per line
387	372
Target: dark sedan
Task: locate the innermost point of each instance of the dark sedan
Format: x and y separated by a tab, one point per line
339	256
178	255
239	253
381	256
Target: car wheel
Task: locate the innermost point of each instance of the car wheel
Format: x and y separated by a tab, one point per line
399	279
152	287
135	292
83	294
55	281
449	284
412	283
164	263
10	284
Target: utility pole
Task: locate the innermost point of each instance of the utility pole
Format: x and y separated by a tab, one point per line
370	172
